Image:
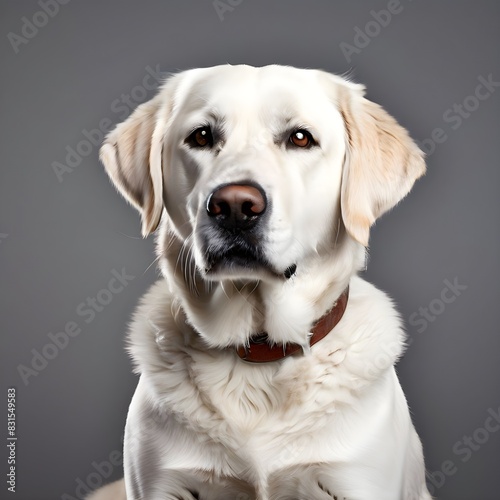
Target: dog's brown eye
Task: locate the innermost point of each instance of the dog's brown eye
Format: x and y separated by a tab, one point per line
301	139
201	138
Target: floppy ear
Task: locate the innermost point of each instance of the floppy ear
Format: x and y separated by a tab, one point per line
382	163
132	157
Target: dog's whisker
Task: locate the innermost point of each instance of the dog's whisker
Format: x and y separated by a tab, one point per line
246	296
180	261
129	236
193	283
257	283
153	262
338	232
221	283
185	261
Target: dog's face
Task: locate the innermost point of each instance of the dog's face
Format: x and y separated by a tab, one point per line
261	169
253	157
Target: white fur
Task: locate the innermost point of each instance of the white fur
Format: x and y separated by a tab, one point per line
332	423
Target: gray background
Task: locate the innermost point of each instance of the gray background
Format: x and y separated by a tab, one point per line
59	241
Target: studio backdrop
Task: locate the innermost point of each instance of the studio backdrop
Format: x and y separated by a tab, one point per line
73	263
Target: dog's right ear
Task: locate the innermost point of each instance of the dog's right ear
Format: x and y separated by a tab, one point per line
132	156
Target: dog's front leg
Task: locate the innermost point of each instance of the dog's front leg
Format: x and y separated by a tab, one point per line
164	459
153	455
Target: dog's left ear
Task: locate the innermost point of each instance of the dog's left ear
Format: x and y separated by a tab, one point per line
382	162
132	155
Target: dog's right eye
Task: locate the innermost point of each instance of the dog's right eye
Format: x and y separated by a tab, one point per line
201	138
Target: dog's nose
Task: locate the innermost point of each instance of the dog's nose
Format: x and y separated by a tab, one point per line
237	205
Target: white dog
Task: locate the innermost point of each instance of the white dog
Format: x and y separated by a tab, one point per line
266	365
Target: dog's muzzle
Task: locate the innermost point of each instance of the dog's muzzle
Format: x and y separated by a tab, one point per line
235	234
233	237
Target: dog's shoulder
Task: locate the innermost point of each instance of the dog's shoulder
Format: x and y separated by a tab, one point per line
368	304
155	324
365	344
371	333
372	324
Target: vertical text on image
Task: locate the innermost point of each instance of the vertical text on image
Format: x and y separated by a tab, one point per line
11	439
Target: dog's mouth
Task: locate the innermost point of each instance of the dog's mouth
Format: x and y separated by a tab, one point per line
242	261
240	257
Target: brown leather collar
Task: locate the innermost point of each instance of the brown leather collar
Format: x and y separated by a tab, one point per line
260	350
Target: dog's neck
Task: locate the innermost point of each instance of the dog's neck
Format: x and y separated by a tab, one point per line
259	350
229	313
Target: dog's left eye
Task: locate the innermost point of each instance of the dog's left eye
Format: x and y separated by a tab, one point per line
301	139
201	138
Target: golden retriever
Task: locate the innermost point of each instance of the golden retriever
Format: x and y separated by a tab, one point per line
266	364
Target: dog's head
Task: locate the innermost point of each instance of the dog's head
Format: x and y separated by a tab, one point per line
261	169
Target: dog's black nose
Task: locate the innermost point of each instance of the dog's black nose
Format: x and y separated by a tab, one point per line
237	206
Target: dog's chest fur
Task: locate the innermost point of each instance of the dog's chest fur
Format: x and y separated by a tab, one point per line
251	421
